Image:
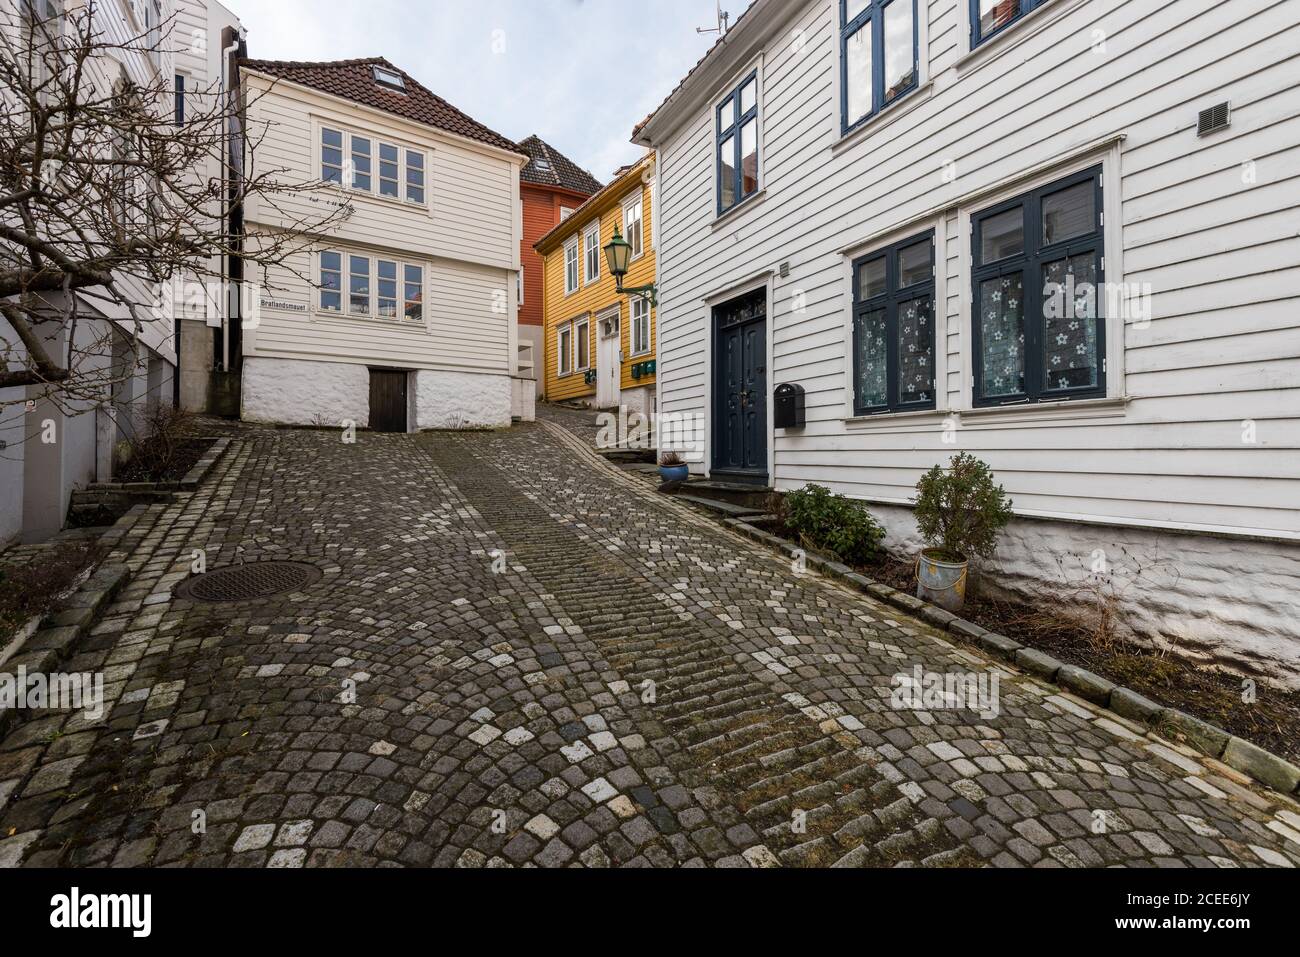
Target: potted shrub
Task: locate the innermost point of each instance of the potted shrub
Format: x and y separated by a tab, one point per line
959	513
673	468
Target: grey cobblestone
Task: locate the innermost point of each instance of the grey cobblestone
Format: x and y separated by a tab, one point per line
519	656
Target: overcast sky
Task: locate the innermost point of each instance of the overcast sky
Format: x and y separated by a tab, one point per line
578	73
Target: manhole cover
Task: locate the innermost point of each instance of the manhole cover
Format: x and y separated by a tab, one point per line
250	582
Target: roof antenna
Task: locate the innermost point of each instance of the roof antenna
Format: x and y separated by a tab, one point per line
723	21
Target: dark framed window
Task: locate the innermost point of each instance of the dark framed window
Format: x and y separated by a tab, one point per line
893	328
878	56
1046	248
737	144
180	100
991	17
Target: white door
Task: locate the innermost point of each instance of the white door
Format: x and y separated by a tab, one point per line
609	361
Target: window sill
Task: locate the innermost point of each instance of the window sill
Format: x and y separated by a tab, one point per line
1110	407
884	118
996	46
350	193
884	420
318	314
749	202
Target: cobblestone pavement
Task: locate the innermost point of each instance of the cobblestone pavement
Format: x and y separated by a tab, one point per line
518	655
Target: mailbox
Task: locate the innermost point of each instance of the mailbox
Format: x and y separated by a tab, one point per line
790	412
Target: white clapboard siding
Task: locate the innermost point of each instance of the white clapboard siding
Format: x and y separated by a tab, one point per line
466	239
1209	223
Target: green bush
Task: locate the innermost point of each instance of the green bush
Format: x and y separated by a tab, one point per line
960	511
834	523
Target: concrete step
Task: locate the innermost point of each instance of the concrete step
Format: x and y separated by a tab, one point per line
717	505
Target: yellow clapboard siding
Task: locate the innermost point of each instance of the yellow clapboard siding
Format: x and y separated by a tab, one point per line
591	300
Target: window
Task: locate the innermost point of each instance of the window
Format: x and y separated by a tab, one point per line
519	283
386	274
591	253
988	17
331	156
388	170
582	332
414	177
389	78
640	326
738	145
180	99
361	163
565	213
893	328
377	288
359	285
565	350
397	167
414	294
331	282
570	267
632	226
878	56
1043	247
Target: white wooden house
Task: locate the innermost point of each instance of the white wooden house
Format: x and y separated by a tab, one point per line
867	199
401	315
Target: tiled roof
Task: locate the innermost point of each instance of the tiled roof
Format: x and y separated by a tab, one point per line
355	80
618	185
550	167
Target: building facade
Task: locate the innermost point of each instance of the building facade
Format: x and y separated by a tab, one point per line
1057	234
51	445
401	315
551	187
600	344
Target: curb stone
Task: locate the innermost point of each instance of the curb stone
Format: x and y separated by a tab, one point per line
1260	765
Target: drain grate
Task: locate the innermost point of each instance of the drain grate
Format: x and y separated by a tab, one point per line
250	582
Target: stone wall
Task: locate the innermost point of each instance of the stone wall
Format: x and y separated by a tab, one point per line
297	392
462	400
1229	601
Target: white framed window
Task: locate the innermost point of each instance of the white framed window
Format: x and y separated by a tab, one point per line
571	267
378	287
582	333
519	287
640	326
367	164
565	213
564	349
634	225
591	253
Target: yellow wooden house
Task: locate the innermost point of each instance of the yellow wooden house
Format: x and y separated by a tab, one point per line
600	345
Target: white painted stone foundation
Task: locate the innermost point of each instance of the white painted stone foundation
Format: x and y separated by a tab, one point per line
1230	602
298	392
462	400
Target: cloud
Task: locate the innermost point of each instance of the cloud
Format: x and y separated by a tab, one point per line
579	73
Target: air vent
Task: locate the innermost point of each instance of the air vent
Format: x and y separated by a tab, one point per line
1214	119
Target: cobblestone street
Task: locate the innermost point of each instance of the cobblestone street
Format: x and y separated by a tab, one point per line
519	655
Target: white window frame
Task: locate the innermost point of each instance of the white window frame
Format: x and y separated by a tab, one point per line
572	267
756	65
635	202
377	144
372	305
646	316
563	368
591	254
581	336
566	212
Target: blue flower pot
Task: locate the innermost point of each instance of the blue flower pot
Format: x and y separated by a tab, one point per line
675	473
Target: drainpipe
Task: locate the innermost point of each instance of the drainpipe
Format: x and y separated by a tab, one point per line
226	348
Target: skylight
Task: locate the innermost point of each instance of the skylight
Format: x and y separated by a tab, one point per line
543	165
386	77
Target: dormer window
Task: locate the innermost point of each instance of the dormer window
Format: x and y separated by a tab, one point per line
390	79
542	165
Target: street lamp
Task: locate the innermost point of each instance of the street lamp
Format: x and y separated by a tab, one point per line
618	254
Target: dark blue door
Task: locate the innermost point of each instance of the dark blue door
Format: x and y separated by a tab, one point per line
740	389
